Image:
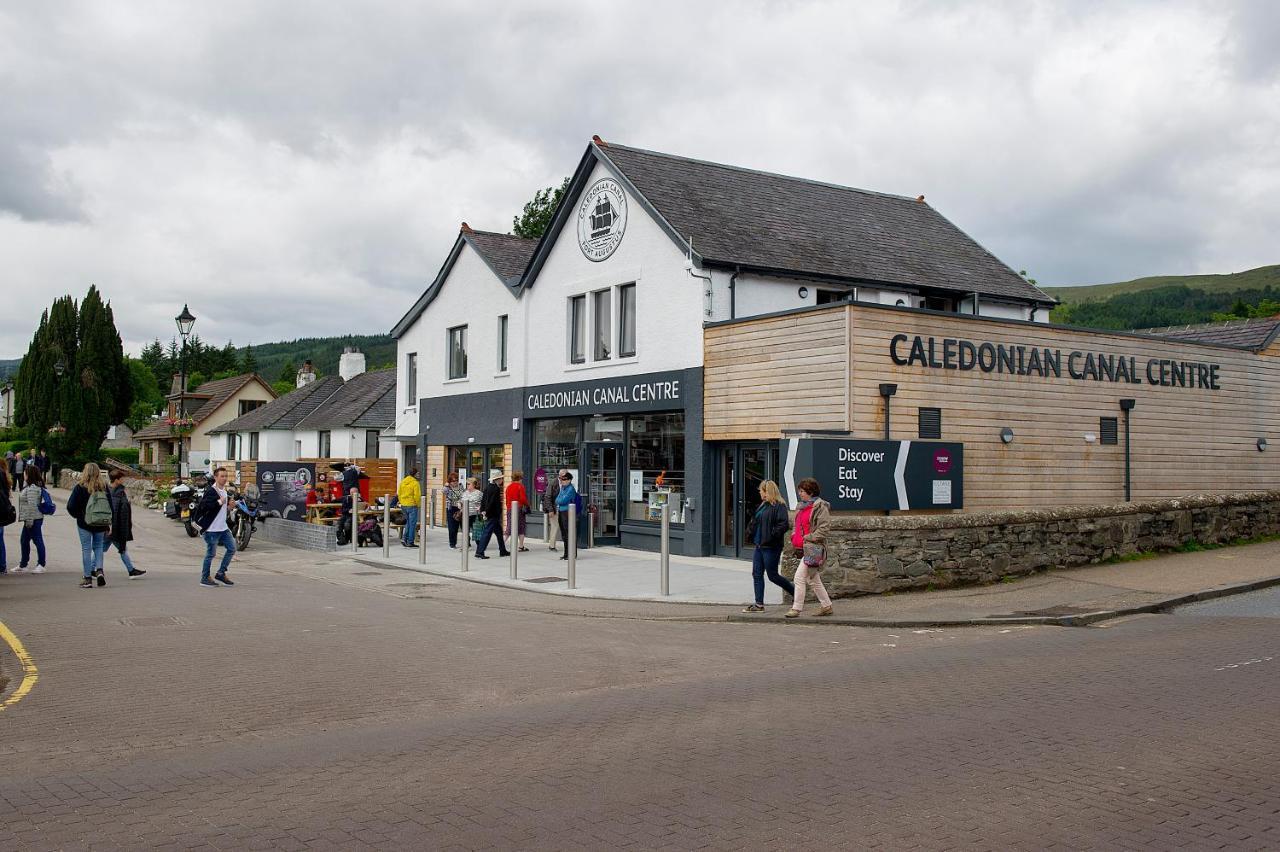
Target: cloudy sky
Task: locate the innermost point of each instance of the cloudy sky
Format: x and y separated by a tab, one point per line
300	168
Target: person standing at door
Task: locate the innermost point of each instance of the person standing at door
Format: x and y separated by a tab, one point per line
549	510
809	538
518	497
410	494
767	530
568	495
491	506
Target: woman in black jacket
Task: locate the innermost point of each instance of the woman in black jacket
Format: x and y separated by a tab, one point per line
767	530
85	501
122	522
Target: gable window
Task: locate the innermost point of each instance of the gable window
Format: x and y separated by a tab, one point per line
253	446
247	405
458	352
602	317
371	443
411	379
326	444
577	329
627	321
502	343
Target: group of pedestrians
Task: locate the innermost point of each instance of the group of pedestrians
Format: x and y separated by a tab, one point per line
24	502
768	529
104	519
17	464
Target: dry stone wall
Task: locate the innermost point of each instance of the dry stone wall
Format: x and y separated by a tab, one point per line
869	555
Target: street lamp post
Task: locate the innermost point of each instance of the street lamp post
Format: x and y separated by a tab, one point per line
185	321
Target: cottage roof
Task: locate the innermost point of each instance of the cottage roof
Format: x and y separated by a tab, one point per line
364	401
286	411
731	217
1247	333
211	396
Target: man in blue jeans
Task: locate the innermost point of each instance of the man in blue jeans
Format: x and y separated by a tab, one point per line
211	516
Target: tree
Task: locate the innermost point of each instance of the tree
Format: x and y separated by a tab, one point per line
288	373
249	364
533	222
282	387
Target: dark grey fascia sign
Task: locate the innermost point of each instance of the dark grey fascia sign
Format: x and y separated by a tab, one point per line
858	475
649	392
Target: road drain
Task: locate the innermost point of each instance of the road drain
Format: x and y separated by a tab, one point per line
366	573
411	585
1049	612
547	580
153	621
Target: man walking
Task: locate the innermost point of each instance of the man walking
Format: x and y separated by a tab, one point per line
491	506
211	516
410	494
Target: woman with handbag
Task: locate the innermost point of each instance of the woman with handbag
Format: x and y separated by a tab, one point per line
453	507
767	530
33	504
809	538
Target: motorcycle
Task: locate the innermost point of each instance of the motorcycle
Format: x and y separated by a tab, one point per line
246	511
185	497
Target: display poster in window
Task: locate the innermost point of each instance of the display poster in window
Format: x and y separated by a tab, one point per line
876	475
637	486
540	480
284	485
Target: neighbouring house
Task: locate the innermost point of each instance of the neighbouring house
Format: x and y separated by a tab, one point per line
6	403
119	436
191	415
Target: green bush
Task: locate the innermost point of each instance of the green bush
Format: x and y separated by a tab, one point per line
14	446
125	455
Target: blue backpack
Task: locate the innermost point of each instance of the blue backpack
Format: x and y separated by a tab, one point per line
46	503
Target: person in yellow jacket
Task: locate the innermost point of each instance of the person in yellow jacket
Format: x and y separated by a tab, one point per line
410	495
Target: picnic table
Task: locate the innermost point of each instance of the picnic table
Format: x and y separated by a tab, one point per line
328	514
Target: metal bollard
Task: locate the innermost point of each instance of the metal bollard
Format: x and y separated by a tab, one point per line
355	522
386	526
422	539
664	555
571	545
513	513
466	534
425	520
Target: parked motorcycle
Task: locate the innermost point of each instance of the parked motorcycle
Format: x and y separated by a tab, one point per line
185	496
246	511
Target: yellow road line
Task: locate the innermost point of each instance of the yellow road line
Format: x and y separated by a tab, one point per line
29	673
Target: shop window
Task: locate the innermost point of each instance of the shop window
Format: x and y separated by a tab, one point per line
411	379
1108	430
930	425
476	461
577	329
326	444
555	445
602	428
253	446
371	443
502	343
602	318
458	352
627	321
655	460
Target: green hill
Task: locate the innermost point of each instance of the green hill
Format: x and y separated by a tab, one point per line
379	351
1252	279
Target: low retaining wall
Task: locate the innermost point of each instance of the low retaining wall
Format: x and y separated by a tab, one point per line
142	492
299	534
867	555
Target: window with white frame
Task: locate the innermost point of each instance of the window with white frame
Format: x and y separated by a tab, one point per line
503	325
326	444
627	320
411	379
577	329
458	352
597	322
602	323
253	446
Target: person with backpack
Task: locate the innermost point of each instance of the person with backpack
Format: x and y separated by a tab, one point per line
491	506
767	530
567	495
809	538
33	504
8	514
90	505
122	523
210	515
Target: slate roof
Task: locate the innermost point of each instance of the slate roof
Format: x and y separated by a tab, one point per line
286	411
506	254
770	222
367	400
1246	333
213	394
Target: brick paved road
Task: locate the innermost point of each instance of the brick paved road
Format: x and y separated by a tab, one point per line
291	713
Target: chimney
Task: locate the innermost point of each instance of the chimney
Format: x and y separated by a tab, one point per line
351	364
307	374
175	386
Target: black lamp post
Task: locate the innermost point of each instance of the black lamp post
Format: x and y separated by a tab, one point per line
185	321
59	369
1126	405
887	390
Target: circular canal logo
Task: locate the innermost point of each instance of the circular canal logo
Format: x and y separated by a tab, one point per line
602	217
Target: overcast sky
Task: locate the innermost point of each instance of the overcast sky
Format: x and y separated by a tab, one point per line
300	168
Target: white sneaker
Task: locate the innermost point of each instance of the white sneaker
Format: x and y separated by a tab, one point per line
39	569
18	570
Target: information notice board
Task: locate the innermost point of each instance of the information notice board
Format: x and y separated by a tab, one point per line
283	486
857	475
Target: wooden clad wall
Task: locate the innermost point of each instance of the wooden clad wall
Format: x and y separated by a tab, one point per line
1185	440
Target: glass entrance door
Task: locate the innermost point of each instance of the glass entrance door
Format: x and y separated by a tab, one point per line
742	468
600	481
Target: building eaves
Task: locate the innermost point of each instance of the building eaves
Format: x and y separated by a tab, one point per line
351	401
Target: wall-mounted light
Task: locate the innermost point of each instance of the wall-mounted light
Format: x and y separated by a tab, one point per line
471	440
803	292
1006	435
1262	444
1090	438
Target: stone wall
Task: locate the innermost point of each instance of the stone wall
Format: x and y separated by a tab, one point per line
142	492
299	534
867	555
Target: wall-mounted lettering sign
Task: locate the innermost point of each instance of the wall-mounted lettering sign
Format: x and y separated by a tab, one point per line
1015	359
859	475
649	392
602	219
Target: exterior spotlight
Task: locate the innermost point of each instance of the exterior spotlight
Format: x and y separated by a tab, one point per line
1262	444
803	292
1090	438
1006	435
887	389
60	367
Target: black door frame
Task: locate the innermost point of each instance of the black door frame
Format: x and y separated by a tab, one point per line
731	454
585	460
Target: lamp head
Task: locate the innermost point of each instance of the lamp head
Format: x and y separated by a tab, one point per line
185	320
888	389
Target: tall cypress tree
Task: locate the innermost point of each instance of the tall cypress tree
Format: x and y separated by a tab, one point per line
44	399
101	376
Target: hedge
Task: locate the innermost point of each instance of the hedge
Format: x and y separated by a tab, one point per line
14	447
125	455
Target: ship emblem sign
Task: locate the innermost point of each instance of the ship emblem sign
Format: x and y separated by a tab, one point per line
602	217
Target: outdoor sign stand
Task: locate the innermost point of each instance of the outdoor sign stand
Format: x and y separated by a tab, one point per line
466	532
514	526
422	539
571	545
386	526
355	522
664	559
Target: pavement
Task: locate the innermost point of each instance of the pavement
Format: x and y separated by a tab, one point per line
322	703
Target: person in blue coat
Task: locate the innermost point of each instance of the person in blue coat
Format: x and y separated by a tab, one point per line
568	495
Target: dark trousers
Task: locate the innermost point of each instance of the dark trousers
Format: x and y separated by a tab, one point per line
33	533
492	527
454	523
563	518
765	561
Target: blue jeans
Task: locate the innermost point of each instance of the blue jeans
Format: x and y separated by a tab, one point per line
211	542
92	544
765	561
491	528
35	533
410	523
124	557
4	557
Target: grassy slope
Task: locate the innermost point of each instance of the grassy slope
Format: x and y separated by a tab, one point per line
1250	279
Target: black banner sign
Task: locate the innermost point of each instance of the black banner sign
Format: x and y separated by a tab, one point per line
649	392
859	475
283	486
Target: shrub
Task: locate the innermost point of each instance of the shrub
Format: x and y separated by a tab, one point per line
125	455
15	446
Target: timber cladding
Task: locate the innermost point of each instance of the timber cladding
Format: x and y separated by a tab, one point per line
1199	409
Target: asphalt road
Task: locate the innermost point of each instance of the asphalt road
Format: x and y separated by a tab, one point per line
1261	604
296	713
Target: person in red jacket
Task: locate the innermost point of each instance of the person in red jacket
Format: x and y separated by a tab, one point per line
517	495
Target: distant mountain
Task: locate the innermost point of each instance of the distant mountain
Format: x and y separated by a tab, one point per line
1252	279
9	367
379	351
